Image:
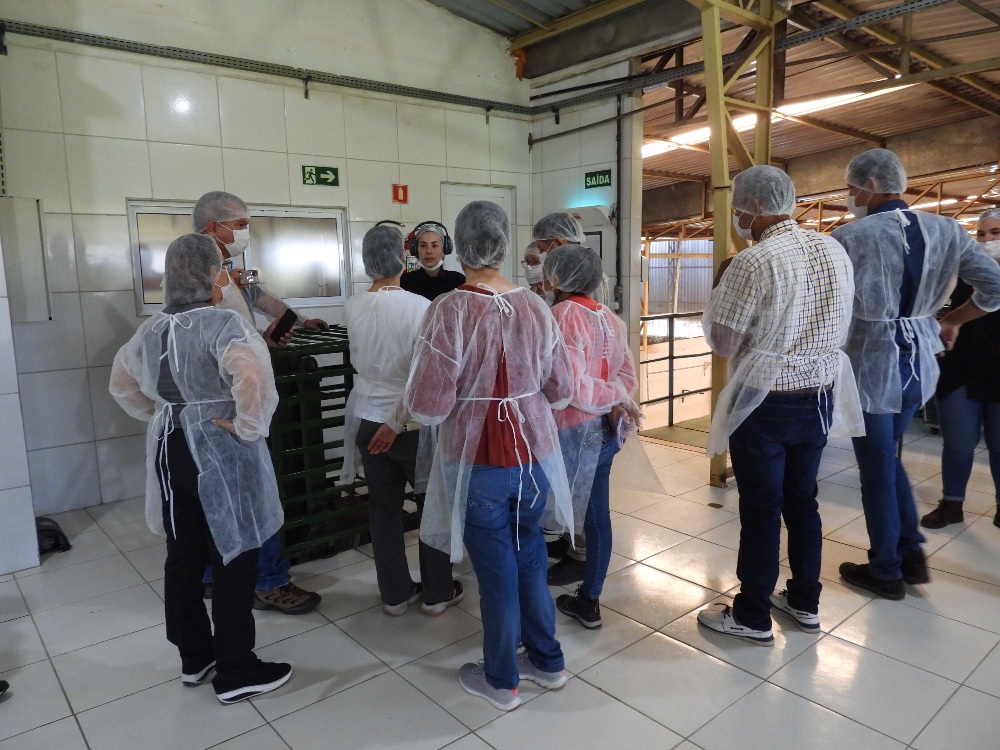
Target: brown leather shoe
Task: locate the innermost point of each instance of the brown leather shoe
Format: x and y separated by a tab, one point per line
289	599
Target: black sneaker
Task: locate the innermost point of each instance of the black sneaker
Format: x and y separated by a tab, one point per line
566	571
914	568
587	611
4	687
862	577
996	518
557	549
269	676
947	512
198	676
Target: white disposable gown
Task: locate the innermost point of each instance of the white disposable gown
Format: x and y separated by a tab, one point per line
222	370
451	384
603	377
773	341
382	328
876	246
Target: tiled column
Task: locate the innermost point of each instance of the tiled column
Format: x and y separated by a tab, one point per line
18	541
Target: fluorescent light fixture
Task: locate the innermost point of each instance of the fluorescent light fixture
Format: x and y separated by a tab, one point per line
932	204
972	197
746	122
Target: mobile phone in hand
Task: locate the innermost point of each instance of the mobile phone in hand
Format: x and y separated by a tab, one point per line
284	325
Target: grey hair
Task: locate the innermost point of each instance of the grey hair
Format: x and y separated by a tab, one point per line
218	206
187	274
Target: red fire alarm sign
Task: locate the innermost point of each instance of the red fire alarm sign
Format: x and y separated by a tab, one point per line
400	193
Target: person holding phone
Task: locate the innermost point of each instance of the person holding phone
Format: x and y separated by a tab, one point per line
598	416
226	219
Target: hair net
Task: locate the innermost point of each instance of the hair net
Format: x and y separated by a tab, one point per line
763	191
423	229
218	206
382	252
482	234
576	268
989	213
880	165
560	225
187	274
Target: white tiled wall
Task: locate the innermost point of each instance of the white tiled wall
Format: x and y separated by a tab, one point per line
85	130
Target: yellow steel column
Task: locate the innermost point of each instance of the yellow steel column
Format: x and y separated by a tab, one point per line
724	139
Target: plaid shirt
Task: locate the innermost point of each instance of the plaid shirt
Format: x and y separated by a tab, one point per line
747	303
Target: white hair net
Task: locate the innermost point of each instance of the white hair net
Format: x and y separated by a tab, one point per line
989	213
559	225
763	191
574	268
188	269
482	234
218	206
880	165
382	252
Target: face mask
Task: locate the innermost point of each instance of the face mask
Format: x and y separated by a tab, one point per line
435	267
859	212
992	248
534	274
241	241
747	233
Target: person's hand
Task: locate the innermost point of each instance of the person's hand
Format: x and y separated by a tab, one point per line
316	324
382	440
226	424
949	334
616	413
237	276
284	339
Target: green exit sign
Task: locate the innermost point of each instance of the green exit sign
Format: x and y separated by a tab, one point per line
601	178
329	176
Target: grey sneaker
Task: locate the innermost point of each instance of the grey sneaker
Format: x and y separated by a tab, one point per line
472	677
719	617
528	671
807	621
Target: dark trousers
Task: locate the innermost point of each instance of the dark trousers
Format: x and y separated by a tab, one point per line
387	475
776	454
190	548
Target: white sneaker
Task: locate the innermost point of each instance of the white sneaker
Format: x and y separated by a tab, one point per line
528	671
397	610
719	617
807	621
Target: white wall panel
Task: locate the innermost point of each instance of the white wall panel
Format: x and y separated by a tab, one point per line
181	106
101	97
35	166
29	90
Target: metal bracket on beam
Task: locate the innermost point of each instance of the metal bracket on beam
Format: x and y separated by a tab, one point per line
305	85
3	38
488	110
555	111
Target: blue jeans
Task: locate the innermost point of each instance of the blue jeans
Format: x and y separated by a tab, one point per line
597	522
272	568
890	513
962	421
507	551
776	454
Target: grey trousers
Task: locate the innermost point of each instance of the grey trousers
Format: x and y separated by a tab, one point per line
387	475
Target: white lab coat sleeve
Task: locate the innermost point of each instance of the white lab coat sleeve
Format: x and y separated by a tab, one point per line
246	361
431	389
124	387
270	305
558	388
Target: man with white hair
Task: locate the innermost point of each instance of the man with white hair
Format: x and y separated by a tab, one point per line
226	219
781	312
905	266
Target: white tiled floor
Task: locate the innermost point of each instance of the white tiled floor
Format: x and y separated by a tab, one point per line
82	644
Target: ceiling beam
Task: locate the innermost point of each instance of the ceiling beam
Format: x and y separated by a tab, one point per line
575	20
980	10
921	53
885	67
670	175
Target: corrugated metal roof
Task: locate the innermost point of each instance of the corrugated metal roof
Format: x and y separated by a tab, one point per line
512	17
914	108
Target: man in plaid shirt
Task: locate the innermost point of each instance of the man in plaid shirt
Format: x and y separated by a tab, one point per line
780	311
